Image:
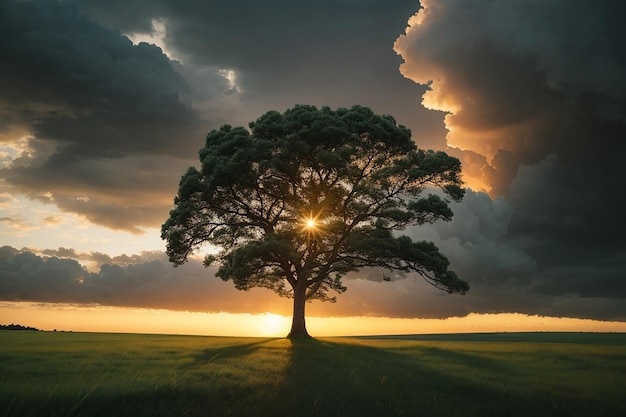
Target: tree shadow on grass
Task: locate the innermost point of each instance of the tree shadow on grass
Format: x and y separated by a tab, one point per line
356	380
325	378
329	378
227	352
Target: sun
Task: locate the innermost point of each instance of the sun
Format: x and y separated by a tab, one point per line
312	226
273	325
310	223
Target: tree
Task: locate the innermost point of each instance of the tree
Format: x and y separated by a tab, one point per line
304	197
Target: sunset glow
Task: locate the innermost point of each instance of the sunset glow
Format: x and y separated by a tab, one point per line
65	317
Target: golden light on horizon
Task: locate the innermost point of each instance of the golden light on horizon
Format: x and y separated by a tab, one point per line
275	325
135	320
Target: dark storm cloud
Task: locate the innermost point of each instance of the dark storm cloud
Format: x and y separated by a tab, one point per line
532	272
87	88
123	193
103	117
328	45
145	280
536	98
328	52
523	80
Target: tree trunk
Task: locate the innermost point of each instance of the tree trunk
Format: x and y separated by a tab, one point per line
298	325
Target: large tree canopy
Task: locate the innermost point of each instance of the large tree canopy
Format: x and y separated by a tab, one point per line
304	197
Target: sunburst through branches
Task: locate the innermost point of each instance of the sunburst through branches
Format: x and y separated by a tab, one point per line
311	225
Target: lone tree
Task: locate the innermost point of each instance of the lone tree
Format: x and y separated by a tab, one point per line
304	197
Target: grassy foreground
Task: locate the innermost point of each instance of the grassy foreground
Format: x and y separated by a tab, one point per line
83	374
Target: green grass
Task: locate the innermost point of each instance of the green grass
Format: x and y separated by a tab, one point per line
83	374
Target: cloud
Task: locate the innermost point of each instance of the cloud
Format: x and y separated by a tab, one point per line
145	280
128	193
520	79
101	115
148	280
87	88
16	226
534	104
328	52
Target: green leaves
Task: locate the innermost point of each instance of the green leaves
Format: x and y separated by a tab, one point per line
227	158
377	247
430	209
357	173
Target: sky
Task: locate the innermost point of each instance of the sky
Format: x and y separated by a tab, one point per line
103	106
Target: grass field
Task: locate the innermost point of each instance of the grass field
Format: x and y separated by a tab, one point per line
537	374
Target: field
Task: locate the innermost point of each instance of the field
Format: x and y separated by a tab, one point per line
535	374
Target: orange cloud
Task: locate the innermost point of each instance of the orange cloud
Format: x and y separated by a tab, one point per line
513	81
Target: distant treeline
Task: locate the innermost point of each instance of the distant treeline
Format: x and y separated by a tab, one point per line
16	327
